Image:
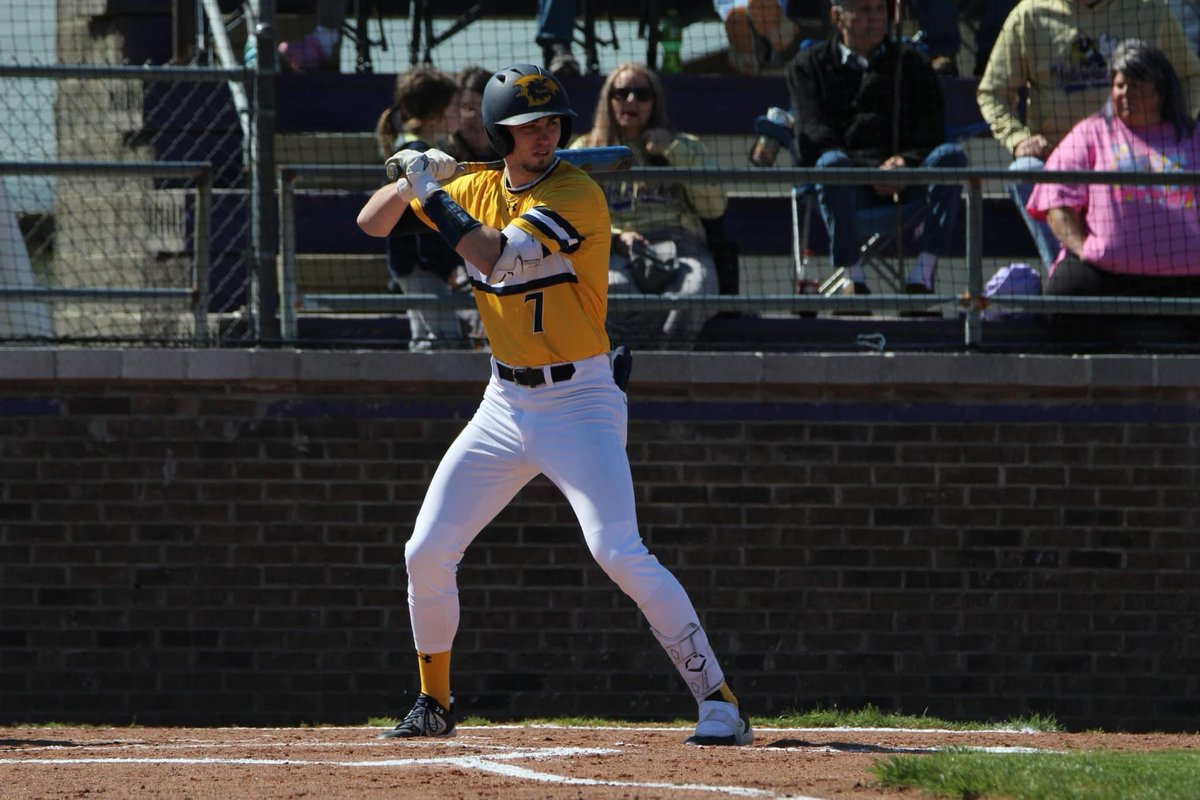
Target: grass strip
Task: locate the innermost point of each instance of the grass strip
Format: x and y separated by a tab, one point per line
872	717
1086	775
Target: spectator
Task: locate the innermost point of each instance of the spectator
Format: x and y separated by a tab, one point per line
655	222
751	22
469	142
1127	240
1061	60
555	31
863	100
318	51
424	114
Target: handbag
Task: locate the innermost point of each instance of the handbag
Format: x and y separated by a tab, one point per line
653	267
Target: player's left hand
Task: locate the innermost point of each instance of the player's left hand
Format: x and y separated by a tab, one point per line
397	165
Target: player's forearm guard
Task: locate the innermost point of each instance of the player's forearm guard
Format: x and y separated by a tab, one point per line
452	222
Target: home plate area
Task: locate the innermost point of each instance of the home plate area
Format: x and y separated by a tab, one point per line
513	762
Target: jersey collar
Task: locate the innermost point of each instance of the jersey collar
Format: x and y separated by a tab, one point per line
532	183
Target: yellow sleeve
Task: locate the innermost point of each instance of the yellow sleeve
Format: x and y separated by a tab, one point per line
999	89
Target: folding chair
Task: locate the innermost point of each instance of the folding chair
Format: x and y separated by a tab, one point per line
880	227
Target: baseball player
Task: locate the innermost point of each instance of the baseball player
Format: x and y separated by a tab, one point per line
535	238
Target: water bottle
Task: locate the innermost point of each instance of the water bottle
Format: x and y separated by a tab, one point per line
774	131
670	34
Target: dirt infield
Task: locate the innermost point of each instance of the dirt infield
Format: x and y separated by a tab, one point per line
517	763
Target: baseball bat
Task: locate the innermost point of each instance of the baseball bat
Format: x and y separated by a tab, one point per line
588	159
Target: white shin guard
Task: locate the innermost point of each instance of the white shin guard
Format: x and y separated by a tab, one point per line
693	657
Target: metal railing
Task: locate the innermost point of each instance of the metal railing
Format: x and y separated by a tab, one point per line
196	294
972	302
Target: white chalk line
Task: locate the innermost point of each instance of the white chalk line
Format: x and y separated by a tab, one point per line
491	764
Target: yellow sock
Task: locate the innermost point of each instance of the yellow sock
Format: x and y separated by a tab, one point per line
725	693
435	676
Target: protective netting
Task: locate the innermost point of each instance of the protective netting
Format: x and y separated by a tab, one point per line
164	183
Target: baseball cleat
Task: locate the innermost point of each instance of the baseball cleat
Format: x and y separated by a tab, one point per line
721	723
427	718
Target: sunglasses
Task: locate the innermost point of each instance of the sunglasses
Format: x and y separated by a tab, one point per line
643	94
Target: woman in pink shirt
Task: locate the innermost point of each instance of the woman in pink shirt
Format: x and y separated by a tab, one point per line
1127	240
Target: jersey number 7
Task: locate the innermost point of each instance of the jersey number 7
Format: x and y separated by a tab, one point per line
537	299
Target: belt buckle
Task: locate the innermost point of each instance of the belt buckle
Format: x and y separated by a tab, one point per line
528	376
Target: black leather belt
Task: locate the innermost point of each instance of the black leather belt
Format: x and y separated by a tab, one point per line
535	376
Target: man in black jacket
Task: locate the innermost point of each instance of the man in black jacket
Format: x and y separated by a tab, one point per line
863	100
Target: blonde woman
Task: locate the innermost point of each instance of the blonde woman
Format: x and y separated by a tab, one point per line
658	228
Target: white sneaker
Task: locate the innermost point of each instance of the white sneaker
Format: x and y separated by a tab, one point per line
721	723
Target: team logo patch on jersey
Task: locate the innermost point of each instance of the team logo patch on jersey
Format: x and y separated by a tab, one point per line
538	90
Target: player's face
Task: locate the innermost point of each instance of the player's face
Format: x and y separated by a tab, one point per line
1137	103
631	99
534	145
862	23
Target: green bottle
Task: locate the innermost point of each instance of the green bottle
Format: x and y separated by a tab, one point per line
671	37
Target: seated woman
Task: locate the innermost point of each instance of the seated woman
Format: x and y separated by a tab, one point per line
424	115
652	222
1127	240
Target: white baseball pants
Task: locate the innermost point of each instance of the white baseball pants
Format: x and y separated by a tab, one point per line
574	432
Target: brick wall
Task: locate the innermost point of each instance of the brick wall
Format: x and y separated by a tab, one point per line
218	538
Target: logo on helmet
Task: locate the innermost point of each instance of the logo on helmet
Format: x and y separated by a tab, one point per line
538	90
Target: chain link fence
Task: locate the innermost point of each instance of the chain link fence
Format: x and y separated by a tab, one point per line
170	178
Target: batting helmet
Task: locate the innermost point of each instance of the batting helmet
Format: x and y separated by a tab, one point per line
520	94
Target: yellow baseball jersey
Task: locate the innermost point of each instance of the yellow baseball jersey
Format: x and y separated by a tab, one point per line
547	302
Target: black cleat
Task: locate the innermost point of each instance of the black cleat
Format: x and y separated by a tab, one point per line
427	718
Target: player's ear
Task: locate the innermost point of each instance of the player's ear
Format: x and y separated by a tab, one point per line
564	136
